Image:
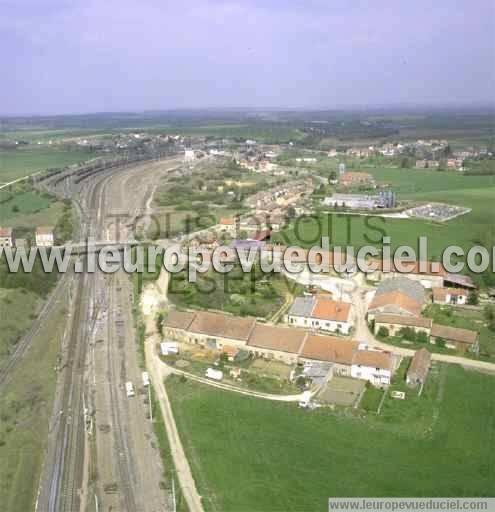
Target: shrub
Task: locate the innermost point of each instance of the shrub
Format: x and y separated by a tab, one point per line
383	332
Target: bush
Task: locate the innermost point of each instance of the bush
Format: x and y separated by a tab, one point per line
422	337
383	332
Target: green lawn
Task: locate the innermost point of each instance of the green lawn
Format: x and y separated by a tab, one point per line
18	163
254	455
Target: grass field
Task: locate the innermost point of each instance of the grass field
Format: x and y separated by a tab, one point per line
18	163
25	409
254	455
475	228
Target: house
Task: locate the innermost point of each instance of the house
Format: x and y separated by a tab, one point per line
394	323
214	330
446	295
399	296
332	350
228	224
44	236
320	313
353	179
177	324
374	366
6	237
419	368
429	273
280	343
455	338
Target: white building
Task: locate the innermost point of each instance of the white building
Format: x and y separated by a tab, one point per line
6	237
373	366
189	155
320	313
44	236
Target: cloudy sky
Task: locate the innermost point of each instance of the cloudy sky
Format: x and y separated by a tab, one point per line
75	56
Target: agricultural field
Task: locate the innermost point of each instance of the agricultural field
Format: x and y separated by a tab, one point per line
250	454
18	163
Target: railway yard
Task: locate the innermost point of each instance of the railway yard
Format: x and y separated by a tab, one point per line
101	451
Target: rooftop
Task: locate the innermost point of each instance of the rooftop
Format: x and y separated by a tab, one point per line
329	348
454	334
373	359
409	321
284	339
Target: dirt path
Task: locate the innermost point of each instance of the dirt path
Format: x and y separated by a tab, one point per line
182	468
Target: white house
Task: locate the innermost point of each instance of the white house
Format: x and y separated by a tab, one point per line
374	366
450	295
44	236
321	313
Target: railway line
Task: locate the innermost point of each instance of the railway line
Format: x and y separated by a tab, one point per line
75	410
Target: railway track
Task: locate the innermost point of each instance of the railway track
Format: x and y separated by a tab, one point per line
23	345
116	335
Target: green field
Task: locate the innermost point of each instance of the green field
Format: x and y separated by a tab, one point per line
18	163
25	409
475	228
254	455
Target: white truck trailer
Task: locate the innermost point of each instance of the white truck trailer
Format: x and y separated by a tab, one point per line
211	373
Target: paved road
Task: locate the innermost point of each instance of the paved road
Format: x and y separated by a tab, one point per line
362	333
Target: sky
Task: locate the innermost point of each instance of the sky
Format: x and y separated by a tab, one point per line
81	56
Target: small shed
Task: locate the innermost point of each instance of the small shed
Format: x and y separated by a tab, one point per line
419	368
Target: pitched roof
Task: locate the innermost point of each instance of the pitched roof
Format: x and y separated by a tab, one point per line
44	230
459	280
373	359
454	334
410	321
329	348
211	324
409	287
227	221
396	300
239	328
284	339
302	306
414	267
179	319
220	325
327	309
6	232
420	363
440	294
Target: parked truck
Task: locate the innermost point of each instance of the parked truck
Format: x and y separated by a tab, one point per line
169	348
211	373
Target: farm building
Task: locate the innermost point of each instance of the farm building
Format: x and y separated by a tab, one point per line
463	340
446	295
419	368
44	237
6	237
399	296
374	366
320	313
394	323
332	350
289	345
280	343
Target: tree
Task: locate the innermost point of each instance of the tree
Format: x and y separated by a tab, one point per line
473	298
332	177
383	332
422	337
